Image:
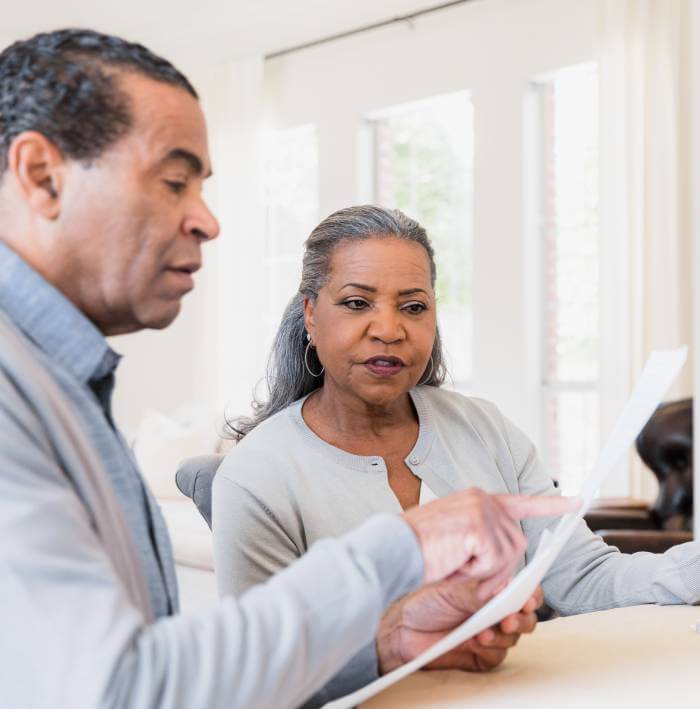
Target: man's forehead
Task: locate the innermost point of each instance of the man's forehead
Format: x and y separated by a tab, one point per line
169	119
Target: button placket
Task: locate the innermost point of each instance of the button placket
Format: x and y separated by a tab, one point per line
377	465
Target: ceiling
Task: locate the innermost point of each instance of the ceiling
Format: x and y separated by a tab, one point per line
211	29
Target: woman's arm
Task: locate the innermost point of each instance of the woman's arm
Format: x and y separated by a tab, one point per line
589	575
250	544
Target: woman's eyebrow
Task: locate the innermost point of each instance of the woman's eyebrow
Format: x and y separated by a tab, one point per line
370	289
361	286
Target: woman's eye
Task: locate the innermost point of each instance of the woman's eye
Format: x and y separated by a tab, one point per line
355	304
415	308
175	186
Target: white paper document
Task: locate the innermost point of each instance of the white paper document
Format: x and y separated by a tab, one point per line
660	371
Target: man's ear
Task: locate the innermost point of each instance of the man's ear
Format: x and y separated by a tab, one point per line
38	167
309	316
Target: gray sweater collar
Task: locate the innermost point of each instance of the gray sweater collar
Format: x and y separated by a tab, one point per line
371	463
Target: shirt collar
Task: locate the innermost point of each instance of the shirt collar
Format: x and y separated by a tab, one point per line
51	321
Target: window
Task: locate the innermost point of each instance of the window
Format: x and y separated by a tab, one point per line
291	202
423	165
570	274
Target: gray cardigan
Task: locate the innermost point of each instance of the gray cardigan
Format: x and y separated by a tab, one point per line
283	487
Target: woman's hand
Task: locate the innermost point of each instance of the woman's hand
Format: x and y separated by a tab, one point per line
477	536
420	619
490	647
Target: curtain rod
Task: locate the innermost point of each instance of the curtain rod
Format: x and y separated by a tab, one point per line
366	28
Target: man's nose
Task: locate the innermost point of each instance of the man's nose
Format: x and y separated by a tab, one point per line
202	223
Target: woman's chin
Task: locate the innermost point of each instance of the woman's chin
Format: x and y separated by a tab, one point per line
382	392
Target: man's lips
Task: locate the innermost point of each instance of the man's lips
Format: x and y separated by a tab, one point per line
384	365
188	267
183	272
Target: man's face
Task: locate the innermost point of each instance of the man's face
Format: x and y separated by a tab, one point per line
132	223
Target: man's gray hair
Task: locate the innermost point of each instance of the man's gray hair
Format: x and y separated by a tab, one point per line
287	378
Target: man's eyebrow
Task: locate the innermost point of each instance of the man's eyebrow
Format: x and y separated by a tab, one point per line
193	161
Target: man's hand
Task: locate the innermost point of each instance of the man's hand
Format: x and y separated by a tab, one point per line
477	535
419	620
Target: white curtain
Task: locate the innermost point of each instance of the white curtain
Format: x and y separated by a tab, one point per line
645	227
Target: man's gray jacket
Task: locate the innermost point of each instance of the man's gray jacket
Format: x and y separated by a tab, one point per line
78	613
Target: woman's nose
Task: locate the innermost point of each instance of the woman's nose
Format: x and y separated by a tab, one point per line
386	326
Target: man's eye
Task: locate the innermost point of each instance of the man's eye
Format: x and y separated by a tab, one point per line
415	308
175	186
355	303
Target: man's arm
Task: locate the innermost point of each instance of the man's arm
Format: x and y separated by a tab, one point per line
70	637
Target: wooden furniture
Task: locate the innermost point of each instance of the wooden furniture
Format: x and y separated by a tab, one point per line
641	657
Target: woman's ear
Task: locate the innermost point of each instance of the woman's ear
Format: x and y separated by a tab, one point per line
309	316
38	168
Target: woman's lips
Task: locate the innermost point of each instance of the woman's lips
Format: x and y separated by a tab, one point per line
381	367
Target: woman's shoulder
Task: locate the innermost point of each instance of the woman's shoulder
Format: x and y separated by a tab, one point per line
271	445
453	406
455	414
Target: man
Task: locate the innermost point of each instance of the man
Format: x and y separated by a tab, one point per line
103	152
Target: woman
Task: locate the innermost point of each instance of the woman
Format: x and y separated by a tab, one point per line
356	423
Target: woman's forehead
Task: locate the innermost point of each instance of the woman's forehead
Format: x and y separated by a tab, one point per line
384	261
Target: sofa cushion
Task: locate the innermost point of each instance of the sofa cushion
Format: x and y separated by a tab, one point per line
161	444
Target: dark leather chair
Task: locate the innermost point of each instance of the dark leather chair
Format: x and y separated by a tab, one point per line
666	447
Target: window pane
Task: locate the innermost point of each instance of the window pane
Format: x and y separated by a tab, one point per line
572	445
570	234
424	166
570	224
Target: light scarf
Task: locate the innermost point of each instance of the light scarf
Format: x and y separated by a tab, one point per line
77	459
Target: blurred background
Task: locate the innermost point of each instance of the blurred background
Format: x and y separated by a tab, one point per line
547	145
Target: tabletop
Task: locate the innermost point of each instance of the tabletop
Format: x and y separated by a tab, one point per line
642	656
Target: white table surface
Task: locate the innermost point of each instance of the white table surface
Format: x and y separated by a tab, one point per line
643	656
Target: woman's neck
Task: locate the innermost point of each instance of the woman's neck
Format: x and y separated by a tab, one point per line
332	410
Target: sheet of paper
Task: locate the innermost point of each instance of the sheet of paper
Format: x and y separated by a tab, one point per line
659	373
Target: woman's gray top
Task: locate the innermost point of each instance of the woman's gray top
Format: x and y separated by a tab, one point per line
283	487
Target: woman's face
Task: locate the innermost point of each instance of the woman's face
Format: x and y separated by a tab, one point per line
373	324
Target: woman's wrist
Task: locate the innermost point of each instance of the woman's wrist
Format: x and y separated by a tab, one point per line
388	641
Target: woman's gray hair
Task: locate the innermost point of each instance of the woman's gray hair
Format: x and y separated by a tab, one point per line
287	378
